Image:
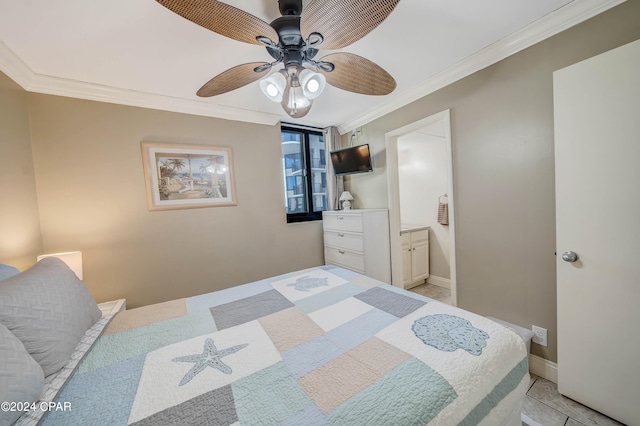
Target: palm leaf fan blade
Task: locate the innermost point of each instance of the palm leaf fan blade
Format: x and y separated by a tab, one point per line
356	74
343	22
222	18
232	79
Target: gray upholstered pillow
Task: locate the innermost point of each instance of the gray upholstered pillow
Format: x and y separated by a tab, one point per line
7	271
49	309
21	377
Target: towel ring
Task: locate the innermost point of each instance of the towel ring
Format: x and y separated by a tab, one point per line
440	199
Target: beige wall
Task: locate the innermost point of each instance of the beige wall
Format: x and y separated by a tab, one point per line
502	136
92	198
19	224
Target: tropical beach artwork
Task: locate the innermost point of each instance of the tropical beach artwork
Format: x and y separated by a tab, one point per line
187	176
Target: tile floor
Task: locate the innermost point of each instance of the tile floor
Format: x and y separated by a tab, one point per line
433	292
543	404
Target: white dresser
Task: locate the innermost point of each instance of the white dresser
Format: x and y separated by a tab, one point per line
358	240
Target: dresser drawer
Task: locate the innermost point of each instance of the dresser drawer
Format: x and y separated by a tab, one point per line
344	240
342	222
347	259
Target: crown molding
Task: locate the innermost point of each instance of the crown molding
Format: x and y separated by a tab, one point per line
14	67
545	27
30	81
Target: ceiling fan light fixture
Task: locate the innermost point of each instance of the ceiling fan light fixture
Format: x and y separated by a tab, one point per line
312	83
274	86
294	40
294	102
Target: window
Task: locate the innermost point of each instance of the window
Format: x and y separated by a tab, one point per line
305	180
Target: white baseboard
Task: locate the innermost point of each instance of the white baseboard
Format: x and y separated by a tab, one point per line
439	281
543	368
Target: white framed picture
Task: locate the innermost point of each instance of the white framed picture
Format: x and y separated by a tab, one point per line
180	176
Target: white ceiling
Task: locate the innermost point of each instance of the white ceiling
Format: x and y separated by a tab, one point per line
137	52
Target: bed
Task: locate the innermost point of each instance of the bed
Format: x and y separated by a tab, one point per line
320	346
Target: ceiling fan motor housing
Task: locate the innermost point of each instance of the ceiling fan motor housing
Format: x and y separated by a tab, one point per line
290	7
288	29
292	49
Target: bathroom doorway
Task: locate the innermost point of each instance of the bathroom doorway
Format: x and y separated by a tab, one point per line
420	180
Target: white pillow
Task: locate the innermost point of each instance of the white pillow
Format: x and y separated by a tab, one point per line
7	271
21	377
49	309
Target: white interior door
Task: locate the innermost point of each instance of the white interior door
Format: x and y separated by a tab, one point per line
597	154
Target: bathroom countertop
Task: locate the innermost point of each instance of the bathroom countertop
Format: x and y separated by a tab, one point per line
405	227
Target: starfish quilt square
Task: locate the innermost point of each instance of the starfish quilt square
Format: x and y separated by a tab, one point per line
199	365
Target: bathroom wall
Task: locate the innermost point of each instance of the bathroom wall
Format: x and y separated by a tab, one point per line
422	170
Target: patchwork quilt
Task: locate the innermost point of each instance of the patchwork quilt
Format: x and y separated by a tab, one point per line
323	346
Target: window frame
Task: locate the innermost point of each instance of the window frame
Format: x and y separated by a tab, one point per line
307	165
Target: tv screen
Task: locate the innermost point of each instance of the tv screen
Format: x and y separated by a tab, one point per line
355	159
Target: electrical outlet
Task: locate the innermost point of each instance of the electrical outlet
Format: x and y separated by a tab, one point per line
539	335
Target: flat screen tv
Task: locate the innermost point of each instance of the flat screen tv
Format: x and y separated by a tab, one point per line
355	159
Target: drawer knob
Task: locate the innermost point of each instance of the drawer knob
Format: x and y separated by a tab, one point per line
341	251
340	235
340	217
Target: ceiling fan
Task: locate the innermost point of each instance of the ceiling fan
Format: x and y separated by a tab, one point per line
294	40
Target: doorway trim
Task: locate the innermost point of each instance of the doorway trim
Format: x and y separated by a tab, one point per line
393	183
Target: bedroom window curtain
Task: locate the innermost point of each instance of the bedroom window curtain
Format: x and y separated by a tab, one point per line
335	184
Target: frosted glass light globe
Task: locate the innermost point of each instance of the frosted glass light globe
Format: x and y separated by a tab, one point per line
313	86
272	90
